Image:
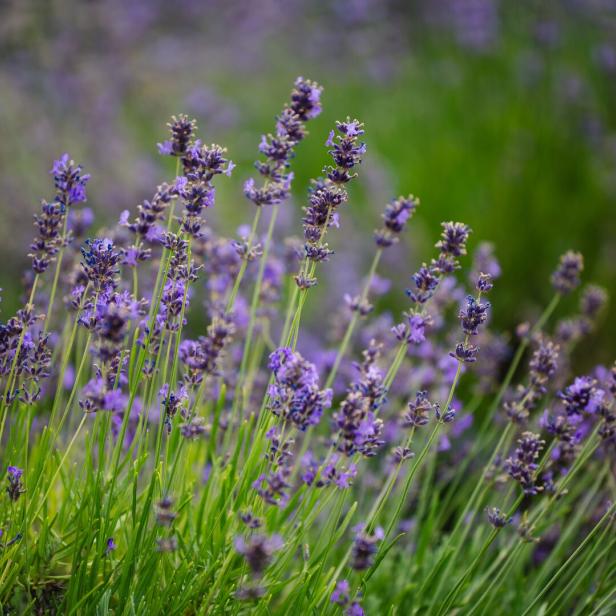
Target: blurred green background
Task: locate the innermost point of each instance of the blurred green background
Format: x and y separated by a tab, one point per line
498	114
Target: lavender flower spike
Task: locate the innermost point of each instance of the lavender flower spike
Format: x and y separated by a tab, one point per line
397	213
566	278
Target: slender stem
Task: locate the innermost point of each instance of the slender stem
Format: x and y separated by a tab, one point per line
353	322
56	276
571	558
244	265
240	391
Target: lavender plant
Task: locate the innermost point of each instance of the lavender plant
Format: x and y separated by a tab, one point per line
151	467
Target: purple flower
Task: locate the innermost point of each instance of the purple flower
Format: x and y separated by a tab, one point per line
203	356
272	487
395	217
15	488
577	396
473	315
419	411
359	430
365	547
444	417
453	239
69	181
258	550
110	546
484	283
306	99
182	129
466	353
497	518
355	609
340	595
593	300
426	280
295	393
566	278
48	241
327	194
521	466
100	263
414	331
278	149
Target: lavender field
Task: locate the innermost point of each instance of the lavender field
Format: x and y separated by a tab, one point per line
314	316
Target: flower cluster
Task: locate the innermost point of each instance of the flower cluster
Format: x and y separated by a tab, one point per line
201	164
497	518
100	264
582	396
341	597
329	472
474	314
359	429
542	367
295	395
566	278
258	550
49	240
522	465
397	213
278	149
327	194
365	547
15	488
182	129
146	226
451	246
202	357
419	411
69	181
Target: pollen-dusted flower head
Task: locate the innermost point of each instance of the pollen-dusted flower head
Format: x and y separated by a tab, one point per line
453	239
566	278
182	129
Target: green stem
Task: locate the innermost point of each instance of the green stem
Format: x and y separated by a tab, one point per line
244	265
354	320
571	558
56	276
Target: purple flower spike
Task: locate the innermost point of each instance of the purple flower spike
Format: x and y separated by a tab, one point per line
566	278
295	393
